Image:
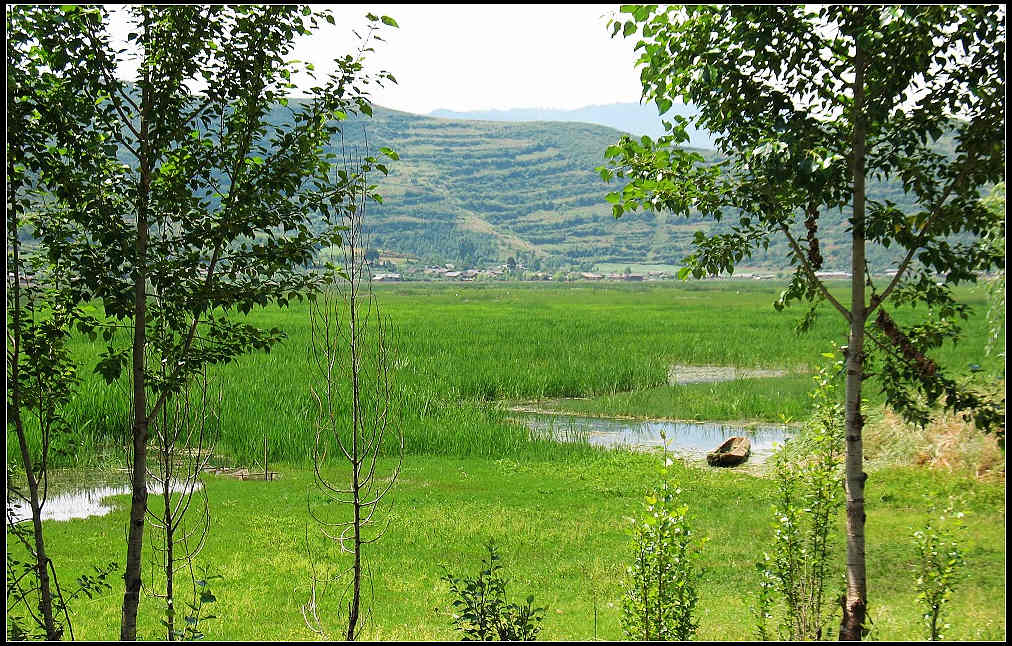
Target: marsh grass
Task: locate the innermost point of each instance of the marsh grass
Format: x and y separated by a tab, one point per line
742	399
949	442
466	350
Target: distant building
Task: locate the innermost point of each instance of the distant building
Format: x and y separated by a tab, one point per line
832	274
386	277
588	276
633	277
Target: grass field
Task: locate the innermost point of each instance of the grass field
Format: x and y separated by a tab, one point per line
559	524
463	352
464	355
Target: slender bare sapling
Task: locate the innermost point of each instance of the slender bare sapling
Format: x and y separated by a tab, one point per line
351	353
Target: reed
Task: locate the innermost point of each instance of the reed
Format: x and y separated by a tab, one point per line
467	351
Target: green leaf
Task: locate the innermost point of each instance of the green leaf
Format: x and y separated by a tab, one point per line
387	20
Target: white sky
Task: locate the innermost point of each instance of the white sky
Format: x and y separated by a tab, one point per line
479	57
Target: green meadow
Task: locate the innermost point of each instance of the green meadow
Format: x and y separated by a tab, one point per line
464	356
560	527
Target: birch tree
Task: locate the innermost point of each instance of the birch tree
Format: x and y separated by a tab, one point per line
806	104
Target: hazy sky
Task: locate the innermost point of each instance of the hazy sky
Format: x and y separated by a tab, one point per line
473	57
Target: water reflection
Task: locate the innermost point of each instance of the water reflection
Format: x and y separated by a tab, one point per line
83	502
689	439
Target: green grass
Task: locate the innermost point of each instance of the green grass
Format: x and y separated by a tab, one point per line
560	527
463	351
743	399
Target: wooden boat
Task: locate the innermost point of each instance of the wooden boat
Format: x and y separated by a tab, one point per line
733	451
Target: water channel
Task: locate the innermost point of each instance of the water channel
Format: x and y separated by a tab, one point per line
691	440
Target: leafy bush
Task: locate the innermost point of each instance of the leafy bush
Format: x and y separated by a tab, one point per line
484	614
661	594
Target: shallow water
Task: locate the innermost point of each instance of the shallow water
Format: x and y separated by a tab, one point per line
692	440
82	501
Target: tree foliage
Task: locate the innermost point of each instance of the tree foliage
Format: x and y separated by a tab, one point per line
773	83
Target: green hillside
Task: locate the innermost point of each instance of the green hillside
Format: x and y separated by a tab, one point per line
476	192
479	191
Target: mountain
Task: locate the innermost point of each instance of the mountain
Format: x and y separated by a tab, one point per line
478	191
632	118
475	192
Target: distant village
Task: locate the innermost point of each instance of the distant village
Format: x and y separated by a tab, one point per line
449	272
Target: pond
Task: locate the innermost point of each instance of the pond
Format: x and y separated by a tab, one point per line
692	440
81	500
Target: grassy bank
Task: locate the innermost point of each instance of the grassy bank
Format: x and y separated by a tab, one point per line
559	524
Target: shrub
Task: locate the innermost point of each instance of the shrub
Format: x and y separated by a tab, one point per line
939	558
482	611
809	482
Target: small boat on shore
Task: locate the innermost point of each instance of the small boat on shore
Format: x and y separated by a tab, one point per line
732	452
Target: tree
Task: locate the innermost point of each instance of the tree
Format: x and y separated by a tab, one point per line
805	104
350	335
467	252
184	440
212	211
41	313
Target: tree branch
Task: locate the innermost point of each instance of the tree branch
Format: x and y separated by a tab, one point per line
800	255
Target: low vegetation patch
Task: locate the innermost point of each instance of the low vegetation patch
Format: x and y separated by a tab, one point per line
949	443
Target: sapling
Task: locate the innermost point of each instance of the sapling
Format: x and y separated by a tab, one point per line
939	559
180	516
482	611
351	343
41	308
661	589
808	477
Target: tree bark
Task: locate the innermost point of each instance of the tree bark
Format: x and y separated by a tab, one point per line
170	619
855	604
41	560
139	490
53	633
356	424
